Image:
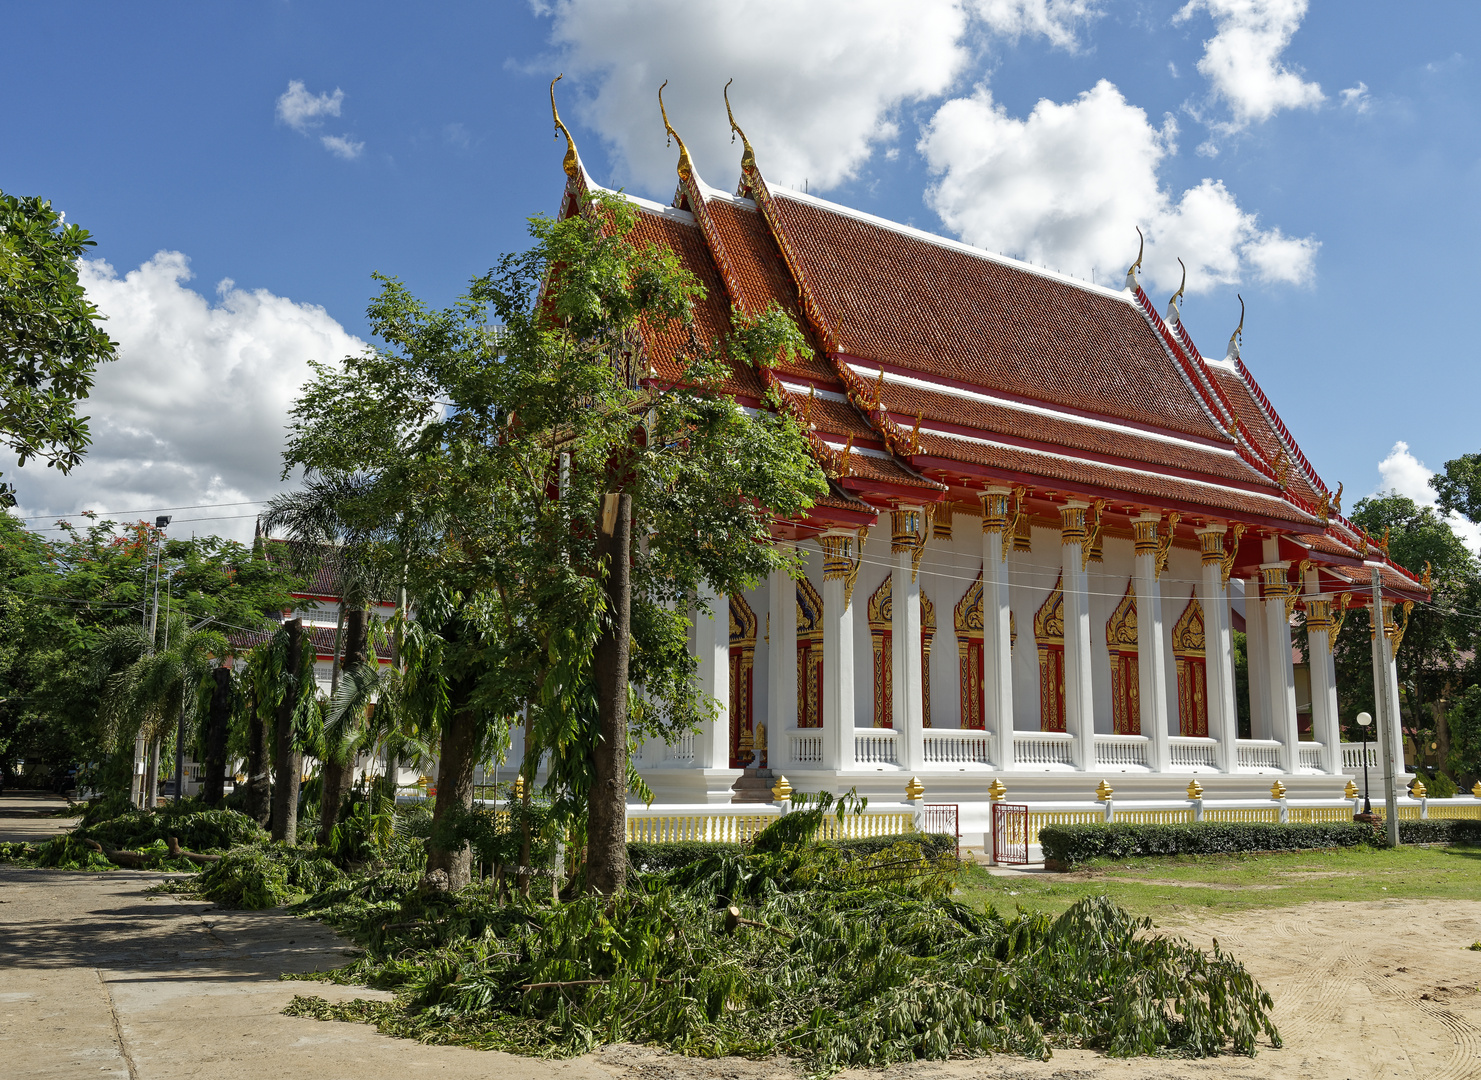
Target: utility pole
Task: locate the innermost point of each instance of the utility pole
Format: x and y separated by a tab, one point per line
143	754
1383	702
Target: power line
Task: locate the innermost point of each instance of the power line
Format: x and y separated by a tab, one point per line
146	510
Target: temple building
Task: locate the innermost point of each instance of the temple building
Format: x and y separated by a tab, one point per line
1048	512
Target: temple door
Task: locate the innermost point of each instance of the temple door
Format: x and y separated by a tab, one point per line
1121	641
967	619
742	677
881	639
1188	651
809	656
1049	637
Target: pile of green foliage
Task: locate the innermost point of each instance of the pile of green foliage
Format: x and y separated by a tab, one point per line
266	876
196	826
1072	844
832	956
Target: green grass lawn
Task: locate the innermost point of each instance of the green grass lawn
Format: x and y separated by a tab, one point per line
1167	887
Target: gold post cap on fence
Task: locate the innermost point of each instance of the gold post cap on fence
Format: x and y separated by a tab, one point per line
1277	790
1351	791
1417	791
1103	791
519	786
1195	789
782	791
915	789
1476	789
997	789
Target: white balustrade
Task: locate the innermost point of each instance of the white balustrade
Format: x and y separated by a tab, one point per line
681	751
1258	754
957	746
1352	755
876	746
1044	749
1309	757
805	747
1121	751
1193	754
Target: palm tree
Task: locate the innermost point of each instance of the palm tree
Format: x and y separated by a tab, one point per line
326	521
146	690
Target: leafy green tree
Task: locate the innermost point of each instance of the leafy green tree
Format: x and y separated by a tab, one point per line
561	513
1459	486
1464	717
1431	660
50	340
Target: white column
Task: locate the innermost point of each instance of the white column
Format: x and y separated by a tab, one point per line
781	667
712	649
1395	718
1151	655
1079	705
838	652
1218	646
908	709
1324	725
997	633
1279	671
1254	655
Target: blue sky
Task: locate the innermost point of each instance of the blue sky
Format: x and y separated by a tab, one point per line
1323	162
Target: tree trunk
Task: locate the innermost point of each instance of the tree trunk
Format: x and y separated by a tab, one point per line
339	766
151	777
258	788
454	797
289	765
606	845
214	787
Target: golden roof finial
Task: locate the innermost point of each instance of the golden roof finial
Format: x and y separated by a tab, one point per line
571	164
748	156
686	167
1141	245
1236	339
1337	499
1181	285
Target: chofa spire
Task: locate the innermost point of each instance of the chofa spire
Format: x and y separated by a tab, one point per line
1175	313
572	164
748	155
1141	245
1237	338
686	167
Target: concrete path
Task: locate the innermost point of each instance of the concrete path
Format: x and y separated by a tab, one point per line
29	816
100	978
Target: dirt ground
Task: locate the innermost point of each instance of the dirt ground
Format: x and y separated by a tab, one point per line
100	978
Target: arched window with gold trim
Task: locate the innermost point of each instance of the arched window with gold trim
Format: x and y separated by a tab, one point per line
742	672
1187	650
966	617
1049	637
809	656
881	635
1126	707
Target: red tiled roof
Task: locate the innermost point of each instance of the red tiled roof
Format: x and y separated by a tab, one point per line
905	300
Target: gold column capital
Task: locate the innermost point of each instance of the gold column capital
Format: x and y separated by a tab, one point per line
1072	521
837	555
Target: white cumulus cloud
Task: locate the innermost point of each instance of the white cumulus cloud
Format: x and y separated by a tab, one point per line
1401	471
1242	61
1066	185
1060	21
194	408
817	86
1356	98
304	112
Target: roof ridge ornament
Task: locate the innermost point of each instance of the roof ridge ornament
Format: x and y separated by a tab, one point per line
1141	245
748	155
572	163
686	167
1175	313
1236	339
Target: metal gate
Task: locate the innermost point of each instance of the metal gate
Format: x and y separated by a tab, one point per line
1010	834
943	818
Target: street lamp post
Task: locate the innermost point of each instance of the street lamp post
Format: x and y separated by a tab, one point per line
1365	721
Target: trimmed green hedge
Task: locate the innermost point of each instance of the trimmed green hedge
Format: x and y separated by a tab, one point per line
661	858
1440	831
1072	844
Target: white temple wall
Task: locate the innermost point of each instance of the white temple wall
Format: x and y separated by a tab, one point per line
1107	583
1179	585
